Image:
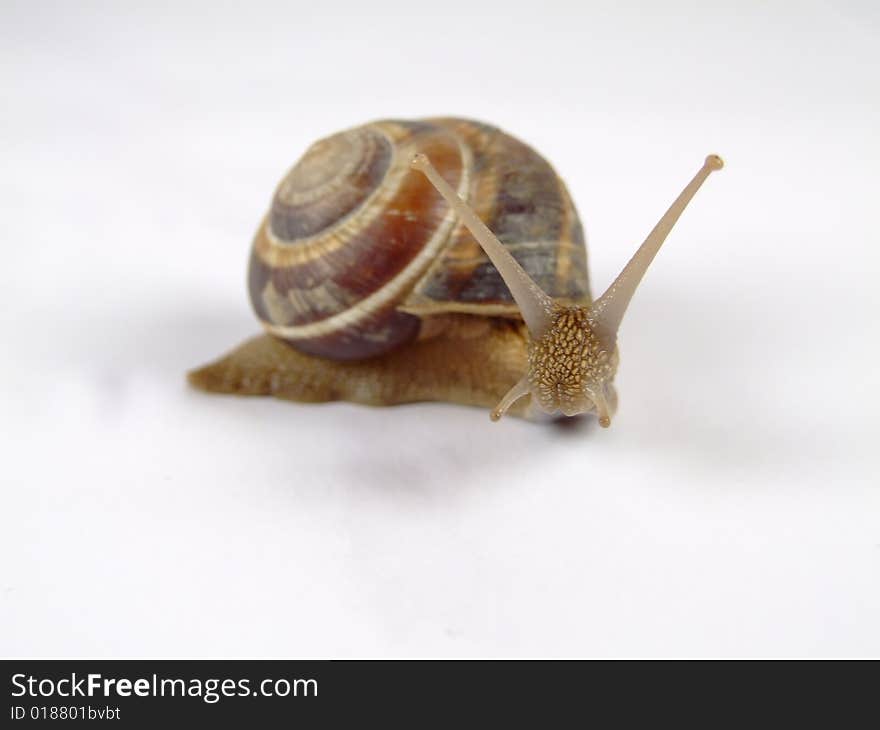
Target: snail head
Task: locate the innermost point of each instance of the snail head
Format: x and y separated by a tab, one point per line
573	353
572	367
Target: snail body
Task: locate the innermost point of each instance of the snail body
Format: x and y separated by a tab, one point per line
377	282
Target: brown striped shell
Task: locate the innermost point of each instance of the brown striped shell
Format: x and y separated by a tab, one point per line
358	250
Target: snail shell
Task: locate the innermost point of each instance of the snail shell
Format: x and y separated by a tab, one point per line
358	250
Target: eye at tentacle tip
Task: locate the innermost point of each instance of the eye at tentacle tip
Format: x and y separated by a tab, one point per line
604	421
714	162
419	161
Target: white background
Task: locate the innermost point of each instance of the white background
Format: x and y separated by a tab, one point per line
731	510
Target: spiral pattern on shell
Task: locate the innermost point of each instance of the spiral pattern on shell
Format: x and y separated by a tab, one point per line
358	249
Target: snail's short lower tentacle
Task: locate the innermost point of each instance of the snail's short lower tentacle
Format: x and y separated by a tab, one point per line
520	389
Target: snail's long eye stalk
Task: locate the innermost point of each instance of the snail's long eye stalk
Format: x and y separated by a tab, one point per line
535	305
611	306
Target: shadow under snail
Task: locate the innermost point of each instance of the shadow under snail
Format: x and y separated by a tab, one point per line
432	260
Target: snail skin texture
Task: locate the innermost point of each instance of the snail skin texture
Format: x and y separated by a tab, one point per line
432	260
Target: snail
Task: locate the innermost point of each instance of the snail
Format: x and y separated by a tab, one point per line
432	260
